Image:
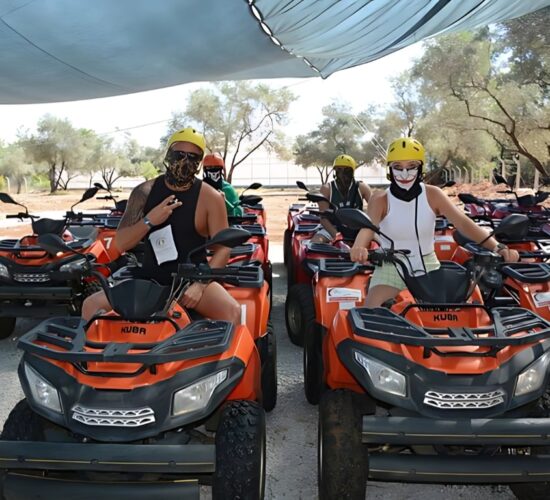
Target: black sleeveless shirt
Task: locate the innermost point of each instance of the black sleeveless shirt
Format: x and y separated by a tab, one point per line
352	200
185	234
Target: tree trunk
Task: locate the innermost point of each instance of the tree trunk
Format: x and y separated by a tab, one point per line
52	174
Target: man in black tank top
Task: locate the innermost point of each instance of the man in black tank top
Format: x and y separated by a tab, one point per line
344	192
175	213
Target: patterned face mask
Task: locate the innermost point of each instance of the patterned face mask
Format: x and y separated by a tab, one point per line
213	176
405	177
181	168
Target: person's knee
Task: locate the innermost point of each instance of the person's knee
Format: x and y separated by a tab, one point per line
234	313
93	304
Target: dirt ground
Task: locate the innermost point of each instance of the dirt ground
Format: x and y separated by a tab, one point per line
275	201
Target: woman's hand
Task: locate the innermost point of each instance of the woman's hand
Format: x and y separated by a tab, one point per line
193	295
359	254
509	254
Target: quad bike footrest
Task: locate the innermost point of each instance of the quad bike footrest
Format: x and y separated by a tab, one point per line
461	432
528	272
111	457
24	486
468	469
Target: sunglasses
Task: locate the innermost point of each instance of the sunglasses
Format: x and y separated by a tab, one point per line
184	155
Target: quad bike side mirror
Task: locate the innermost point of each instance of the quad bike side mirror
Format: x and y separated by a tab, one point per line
357	219
254	185
89	193
301	185
98	185
320	198
228	237
6	198
448	184
250	199
53	244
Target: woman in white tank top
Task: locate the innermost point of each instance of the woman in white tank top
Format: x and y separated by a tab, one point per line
406	212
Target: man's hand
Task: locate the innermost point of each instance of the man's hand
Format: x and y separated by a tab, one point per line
359	254
163	210
193	295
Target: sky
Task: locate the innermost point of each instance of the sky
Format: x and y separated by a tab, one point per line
145	115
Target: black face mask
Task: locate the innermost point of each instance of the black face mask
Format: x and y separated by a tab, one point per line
214	177
181	168
404	194
344	177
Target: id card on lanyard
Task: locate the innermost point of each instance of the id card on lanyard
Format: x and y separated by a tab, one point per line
164	246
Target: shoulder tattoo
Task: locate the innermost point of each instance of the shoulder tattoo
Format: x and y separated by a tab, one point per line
136	203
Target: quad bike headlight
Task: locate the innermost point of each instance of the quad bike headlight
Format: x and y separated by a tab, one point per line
75	265
196	397
382	376
4	271
43	393
532	378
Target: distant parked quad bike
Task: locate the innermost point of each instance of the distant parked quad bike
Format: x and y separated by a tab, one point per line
302	264
36	283
142	402
435	387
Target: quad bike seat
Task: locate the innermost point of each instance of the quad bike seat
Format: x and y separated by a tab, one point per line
45	226
136	299
448	284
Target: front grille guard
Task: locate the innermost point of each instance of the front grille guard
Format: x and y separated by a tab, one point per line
507	322
64	339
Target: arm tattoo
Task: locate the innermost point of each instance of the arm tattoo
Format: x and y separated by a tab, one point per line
136	203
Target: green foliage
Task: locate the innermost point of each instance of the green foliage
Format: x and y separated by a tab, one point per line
147	170
473	95
340	132
236	118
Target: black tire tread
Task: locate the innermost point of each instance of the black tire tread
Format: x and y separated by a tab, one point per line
345	459
269	369
303	295
240	452
7	327
313	364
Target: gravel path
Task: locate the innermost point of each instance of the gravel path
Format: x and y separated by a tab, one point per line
291	427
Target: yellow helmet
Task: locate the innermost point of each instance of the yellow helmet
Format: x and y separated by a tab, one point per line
405	148
344	161
188	135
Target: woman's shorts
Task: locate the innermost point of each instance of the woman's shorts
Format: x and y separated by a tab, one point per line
387	274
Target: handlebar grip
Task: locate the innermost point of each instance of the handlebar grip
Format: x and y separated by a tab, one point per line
18	216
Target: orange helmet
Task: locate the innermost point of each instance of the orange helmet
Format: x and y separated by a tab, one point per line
213	161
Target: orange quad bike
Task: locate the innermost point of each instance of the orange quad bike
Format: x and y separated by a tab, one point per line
435	387
302	266
38	284
142	402
525	283
299	214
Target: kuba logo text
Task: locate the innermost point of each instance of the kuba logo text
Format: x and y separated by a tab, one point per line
140	330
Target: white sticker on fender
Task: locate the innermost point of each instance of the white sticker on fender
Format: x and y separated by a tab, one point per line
343	295
541	299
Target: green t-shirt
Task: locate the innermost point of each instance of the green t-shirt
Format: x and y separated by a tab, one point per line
231	200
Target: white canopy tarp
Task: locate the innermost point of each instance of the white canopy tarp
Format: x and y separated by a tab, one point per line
62	50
